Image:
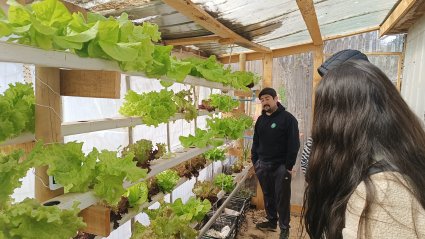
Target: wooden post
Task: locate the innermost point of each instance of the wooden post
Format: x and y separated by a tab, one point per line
94	84
242	67
97	218
130	129
48	114
258	200
267	70
317	61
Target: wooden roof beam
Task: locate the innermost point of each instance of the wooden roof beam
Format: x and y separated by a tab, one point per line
275	53
310	18
291	50
201	17
398	13
196	40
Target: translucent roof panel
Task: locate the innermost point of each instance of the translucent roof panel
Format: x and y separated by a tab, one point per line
271	23
342	16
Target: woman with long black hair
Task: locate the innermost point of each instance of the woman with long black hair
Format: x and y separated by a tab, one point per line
366	175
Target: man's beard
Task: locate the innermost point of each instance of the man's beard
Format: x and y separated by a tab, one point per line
268	110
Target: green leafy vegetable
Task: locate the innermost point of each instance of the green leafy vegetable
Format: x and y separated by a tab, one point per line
137	194
231	128
223	103
49	25
17	111
173	220
67	162
194	209
167	180
159	107
206	190
215	154
225	182
102	171
201	139
153	107
144	151
184	102
29	219
111	171
11	170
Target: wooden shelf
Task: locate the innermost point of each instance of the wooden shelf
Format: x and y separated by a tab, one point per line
17	53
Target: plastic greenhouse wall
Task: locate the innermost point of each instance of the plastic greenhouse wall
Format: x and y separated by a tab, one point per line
413	84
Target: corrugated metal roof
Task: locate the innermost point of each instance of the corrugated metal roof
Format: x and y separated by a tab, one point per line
272	23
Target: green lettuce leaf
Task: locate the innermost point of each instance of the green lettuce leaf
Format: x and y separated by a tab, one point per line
11	171
111	172
29	219
137	194
167	180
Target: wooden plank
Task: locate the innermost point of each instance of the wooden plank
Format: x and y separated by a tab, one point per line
97	219
399	69
27	147
258	200
74	8
292	50
310	18
183	54
361	31
242	67
48	114
17	53
317	61
399	12
23	138
201	17
268	71
193	40
296	209
86	83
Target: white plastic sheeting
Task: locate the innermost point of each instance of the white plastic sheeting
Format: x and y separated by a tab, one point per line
413	84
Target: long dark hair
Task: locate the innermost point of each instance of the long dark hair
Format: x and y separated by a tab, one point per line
358	114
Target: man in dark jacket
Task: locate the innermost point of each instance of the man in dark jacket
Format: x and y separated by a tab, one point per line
274	151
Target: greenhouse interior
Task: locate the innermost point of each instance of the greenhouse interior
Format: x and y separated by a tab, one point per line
184	119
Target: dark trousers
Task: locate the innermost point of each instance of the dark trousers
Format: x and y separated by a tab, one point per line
275	182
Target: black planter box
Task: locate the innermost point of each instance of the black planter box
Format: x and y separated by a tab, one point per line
222	221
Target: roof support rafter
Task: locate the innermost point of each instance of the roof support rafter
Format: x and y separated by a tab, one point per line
310	18
201	17
196	40
399	12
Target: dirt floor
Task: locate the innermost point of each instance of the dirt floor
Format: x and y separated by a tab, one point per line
248	230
